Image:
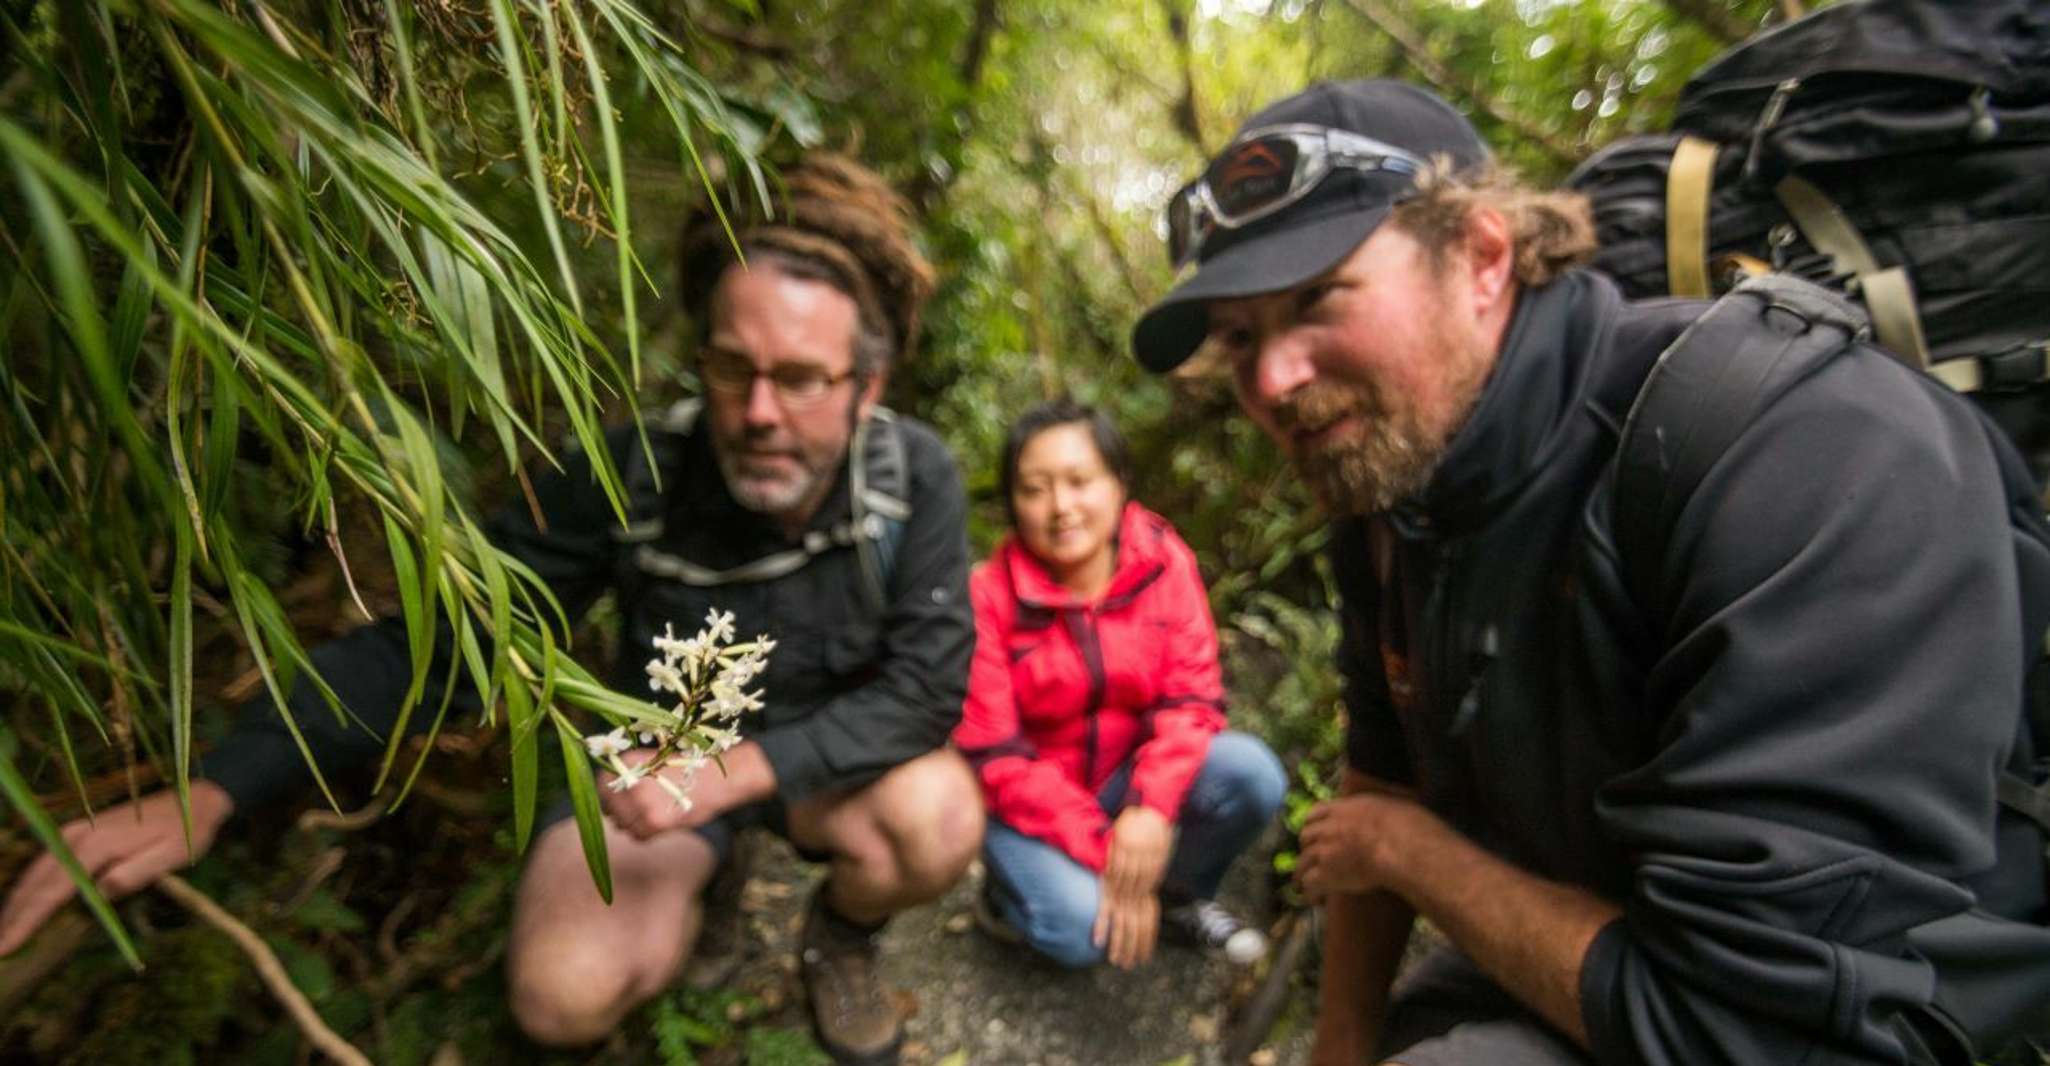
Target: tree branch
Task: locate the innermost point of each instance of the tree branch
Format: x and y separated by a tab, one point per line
1135	280
1188	113
927	187
267	967
1076	188
979	33
1130	74
1438	74
1713	16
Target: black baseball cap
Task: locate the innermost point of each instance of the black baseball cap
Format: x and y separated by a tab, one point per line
1313	234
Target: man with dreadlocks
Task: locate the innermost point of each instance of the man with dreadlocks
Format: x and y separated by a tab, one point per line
797	334
753	502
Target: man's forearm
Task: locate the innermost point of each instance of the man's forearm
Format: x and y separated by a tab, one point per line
1365	935
1528	933
1364	939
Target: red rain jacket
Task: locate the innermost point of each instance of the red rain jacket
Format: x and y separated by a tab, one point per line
1062	693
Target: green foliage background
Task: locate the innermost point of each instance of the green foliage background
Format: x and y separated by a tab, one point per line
294	290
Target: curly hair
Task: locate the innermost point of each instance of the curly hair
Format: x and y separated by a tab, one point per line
837	222
1552	232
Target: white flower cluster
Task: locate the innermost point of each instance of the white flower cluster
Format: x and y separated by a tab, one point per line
708	675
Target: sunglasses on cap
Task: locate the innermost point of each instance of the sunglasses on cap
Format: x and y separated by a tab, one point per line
1266	170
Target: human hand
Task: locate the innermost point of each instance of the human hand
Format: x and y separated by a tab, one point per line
1128	916
648	810
125	848
1346	842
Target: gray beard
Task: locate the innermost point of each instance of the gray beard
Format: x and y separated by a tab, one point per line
782	499
772	499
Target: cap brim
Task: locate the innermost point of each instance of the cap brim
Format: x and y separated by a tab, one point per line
1169	332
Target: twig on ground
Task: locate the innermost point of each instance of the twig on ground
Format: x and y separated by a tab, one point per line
365	973
326	865
434	947
268	968
1274	991
348	822
458	975
455	800
49	951
388	930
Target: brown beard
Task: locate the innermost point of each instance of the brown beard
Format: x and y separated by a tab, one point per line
1385	460
1390	456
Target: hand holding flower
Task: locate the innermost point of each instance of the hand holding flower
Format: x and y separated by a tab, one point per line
708	675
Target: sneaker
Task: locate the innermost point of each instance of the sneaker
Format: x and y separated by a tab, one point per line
1204	923
851	1012
722	930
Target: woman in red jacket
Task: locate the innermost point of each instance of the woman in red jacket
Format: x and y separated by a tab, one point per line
1095	713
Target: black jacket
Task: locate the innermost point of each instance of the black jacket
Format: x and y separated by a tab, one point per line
1779	778
849	693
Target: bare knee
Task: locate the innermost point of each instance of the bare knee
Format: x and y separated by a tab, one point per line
934	821
565	995
576	965
901	841
865	856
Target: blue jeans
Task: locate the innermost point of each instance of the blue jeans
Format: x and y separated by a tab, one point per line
1051	899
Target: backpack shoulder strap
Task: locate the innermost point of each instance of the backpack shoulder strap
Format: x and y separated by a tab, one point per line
1887	291
1688	184
1703	392
879	493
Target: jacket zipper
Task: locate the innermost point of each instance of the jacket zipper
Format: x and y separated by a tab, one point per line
1084	633
1443	623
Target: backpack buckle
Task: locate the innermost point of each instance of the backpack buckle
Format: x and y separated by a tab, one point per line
2016	368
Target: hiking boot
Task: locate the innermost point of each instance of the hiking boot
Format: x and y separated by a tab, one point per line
851	1012
990	918
722	931
1204	923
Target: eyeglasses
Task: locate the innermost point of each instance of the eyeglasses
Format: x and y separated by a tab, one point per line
796	385
1268	169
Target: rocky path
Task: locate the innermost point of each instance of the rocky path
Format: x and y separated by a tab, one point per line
975	1002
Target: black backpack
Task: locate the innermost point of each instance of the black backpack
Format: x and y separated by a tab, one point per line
1895	151
1755	342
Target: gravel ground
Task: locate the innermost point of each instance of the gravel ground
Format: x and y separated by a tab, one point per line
973	1001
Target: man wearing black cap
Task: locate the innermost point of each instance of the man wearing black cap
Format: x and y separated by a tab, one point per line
1743	819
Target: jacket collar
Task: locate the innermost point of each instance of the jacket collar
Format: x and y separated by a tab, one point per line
1142	555
1555	338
